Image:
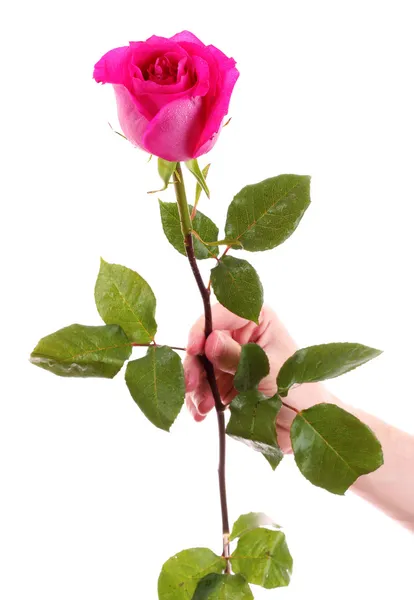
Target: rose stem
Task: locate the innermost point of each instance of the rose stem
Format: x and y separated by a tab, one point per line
186	226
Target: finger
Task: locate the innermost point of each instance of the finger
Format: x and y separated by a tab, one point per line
253	332
227	398
285	418
223	351
268	384
225	384
193	372
203	396
193	409
283	439
222	319
248	333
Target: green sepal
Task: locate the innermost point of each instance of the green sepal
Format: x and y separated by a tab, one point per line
194	168
165	170
199	189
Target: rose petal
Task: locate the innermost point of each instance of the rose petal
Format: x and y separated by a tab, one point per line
152	87
217	113
187	36
153	97
172	94
214	74
133	122
203	76
174	131
111	68
182	68
224	62
143	54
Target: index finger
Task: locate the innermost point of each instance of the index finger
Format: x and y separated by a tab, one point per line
222	319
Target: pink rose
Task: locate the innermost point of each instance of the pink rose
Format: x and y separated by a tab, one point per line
172	94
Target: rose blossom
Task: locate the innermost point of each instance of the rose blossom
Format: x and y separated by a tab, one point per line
172	94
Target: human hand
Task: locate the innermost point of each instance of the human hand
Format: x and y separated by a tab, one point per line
223	349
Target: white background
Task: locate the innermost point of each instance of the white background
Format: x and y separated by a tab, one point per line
93	497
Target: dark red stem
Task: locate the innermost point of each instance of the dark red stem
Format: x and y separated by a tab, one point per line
220	407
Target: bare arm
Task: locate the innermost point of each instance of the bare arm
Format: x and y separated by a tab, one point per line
390	488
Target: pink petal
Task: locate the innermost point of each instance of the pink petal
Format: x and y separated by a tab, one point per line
174	131
161	44
152	97
131	119
201	52
223	61
186	36
111	68
140	86
217	113
143	54
208	145
203	76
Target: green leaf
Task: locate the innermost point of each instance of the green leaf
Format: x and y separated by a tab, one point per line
263	558
264	215
237	287
333	448
253	366
223	587
125	298
181	573
194	168
83	351
156	383
251	521
198	186
253	422
204	226
326	361
165	170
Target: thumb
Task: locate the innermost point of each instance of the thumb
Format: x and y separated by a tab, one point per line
223	351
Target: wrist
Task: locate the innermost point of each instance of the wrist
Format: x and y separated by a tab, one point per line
308	394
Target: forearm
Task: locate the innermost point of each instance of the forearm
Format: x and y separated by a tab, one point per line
391	487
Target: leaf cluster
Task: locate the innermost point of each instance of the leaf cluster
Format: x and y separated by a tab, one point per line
261	557
331	447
